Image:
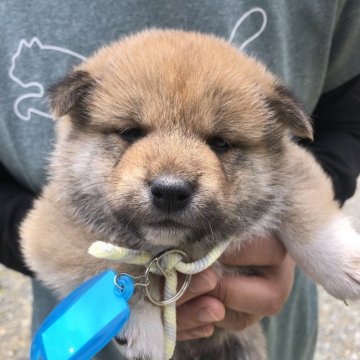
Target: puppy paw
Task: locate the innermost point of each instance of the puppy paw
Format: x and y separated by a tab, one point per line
344	276
352	273
333	260
142	338
344	284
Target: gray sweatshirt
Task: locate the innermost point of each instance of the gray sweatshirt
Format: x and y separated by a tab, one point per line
314	46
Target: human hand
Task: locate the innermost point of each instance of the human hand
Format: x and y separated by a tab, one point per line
235	302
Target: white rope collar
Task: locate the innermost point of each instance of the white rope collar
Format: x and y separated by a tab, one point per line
173	264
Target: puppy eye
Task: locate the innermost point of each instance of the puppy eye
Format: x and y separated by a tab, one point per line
132	135
219	144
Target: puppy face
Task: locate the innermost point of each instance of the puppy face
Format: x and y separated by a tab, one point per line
172	139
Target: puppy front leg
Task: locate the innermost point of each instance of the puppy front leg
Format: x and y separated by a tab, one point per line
318	236
142	338
331	257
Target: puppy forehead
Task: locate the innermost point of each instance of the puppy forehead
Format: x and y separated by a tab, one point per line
169	78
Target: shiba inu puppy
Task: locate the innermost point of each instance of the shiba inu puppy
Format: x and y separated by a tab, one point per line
170	139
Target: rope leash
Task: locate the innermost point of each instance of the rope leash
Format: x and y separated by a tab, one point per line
170	265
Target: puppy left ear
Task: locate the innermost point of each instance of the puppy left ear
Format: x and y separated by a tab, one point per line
291	112
70	94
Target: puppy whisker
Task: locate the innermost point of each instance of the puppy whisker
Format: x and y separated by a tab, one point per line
127	225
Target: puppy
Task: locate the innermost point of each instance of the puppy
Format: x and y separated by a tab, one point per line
170	139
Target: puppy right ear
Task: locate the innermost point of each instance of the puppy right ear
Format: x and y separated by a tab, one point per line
291	113
71	95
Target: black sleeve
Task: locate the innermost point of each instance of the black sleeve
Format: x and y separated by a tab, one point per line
15	201
337	136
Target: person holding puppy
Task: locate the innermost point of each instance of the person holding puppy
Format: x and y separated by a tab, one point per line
333	100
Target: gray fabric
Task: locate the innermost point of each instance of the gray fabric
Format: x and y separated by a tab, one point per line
43	303
312	46
291	335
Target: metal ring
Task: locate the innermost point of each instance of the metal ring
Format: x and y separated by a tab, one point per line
184	286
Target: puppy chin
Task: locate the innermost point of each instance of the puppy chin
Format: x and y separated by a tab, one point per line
165	236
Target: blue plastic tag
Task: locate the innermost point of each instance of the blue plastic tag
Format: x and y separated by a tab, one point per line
86	320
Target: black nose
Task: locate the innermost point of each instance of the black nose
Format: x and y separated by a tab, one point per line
170	193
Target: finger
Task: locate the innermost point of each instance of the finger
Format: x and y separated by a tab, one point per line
237	321
257	295
197	333
200	284
198	312
261	251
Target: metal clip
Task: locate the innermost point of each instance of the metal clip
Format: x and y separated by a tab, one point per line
167	274
144	284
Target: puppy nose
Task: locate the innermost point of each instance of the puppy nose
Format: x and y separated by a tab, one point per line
170	193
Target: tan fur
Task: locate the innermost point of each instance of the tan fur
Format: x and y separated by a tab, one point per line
183	90
64	245
312	191
178	84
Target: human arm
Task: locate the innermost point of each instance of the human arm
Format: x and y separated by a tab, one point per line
337	136
15	201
